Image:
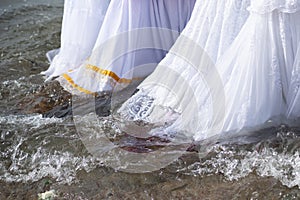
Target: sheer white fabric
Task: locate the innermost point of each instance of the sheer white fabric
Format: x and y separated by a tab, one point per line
80	28
106	65
255	80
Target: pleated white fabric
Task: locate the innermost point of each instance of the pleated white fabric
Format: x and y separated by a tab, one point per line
80	27
292	56
215	24
237	84
126	41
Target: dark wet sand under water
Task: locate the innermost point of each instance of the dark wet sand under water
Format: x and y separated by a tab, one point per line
127	186
40	154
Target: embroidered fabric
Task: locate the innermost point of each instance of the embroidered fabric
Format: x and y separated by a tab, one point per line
258	68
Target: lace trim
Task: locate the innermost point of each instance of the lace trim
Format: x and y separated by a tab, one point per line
267	6
138	107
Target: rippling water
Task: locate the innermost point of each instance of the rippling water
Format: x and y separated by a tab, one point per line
39	154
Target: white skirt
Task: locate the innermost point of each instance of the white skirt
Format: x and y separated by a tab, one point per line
80	28
215	24
210	93
134	38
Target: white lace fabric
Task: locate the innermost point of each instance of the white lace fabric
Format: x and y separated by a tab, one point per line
267	6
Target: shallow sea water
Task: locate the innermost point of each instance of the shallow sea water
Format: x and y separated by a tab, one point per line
38	154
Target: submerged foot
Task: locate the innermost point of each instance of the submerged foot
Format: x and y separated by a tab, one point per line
48	100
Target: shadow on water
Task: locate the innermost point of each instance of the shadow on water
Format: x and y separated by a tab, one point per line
41	150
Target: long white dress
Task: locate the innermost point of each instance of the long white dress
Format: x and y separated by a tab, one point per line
80	28
254	79
134	37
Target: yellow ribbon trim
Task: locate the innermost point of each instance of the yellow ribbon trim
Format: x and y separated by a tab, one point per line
81	89
102	72
108	73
